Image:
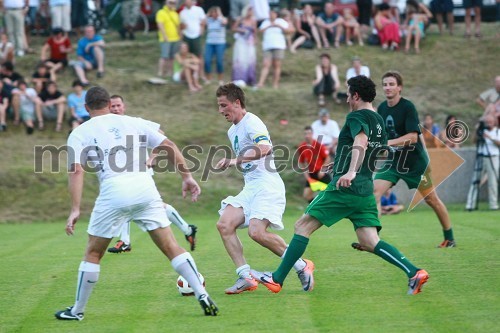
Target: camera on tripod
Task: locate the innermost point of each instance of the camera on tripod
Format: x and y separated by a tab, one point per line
480	130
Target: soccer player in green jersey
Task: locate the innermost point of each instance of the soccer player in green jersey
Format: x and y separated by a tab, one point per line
350	193
410	161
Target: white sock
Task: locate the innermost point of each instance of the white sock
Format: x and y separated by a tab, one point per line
244	271
174	217
184	265
299	264
125	233
88	274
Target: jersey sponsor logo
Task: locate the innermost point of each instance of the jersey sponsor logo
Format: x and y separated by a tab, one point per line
236	145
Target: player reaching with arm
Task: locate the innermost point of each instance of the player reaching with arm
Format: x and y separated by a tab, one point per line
350	193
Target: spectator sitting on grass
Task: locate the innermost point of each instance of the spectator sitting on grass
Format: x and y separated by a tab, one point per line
190	67
76	104
40	78
4	105
327	80
53	104
389	204
6	49
55	51
31	107
90	53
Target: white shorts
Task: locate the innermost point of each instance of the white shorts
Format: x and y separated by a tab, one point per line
260	200
106	222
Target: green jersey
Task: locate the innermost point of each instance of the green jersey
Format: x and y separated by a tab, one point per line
372	125
400	120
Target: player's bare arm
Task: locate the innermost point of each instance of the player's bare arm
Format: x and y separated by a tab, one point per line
75	186
357	156
259	151
174	155
405	140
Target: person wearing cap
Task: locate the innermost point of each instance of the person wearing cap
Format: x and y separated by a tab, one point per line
326	131
55	51
327	80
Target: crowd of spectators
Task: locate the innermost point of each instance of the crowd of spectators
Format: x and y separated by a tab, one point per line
192	39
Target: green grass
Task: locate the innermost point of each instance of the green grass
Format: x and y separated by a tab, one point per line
354	291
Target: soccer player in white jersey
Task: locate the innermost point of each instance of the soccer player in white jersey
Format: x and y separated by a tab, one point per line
114	148
261	203
189	230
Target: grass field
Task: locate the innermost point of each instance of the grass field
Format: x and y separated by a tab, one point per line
354	291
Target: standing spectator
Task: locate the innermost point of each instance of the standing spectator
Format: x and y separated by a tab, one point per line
79	15
306	29
193	21
447	130
327	80
352	28
60	14
416	21
388	30
169	35
30	107
326	131
215	44
357	69
330	25
90	53
273	45
7	51
29	23
312	157
261	10
431	135
14	22
244	55
53	104
476	5
365	15
490	153
130	14
236	8
441	7
190	65
76	104
4	105
41	77
55	51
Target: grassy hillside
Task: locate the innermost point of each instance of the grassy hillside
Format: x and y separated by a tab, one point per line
445	78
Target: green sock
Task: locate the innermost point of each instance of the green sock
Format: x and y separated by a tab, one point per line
390	254
448	234
295	250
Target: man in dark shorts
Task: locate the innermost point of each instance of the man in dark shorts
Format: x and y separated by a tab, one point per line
55	51
410	161
350	194
312	157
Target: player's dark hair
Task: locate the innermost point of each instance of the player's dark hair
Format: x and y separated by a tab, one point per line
97	98
116	96
308	128
363	86
232	93
395	74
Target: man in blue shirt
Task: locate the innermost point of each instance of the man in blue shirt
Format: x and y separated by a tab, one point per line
90	53
330	24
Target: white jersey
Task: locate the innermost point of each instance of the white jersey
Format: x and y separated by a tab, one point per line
249	132
115	148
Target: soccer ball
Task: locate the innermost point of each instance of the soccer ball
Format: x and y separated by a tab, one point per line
184	287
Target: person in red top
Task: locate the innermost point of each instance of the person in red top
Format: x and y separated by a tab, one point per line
312	157
59	46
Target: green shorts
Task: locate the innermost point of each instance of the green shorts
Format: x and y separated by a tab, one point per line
412	180
332	205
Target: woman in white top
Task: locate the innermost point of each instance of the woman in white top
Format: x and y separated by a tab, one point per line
273	45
